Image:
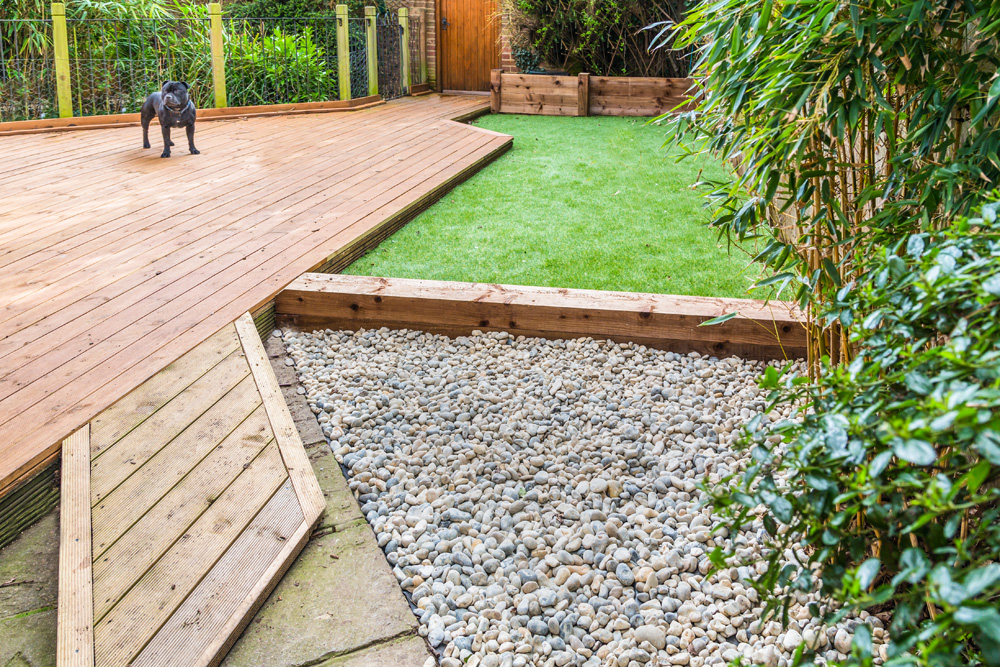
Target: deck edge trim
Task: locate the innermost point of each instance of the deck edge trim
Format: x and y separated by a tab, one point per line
216	652
290	445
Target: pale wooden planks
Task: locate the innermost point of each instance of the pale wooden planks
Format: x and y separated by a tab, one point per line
205	436
75	630
112	466
163	523
91	380
208	508
123	631
108	427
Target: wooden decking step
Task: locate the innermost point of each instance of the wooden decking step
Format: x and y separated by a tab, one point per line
182	505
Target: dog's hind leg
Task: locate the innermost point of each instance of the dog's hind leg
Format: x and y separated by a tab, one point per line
190	133
166	141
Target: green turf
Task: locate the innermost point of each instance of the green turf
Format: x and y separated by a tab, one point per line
593	203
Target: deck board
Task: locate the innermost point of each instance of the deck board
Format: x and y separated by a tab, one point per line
115	263
179	524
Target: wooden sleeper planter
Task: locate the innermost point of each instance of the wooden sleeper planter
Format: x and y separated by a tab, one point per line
586	95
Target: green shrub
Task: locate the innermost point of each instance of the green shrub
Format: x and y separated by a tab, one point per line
603	37
888	476
863	136
291	9
526	59
277	67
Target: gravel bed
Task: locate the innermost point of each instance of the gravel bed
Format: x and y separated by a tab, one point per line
538	499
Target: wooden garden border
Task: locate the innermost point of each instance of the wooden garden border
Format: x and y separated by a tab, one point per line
227	113
762	330
585	95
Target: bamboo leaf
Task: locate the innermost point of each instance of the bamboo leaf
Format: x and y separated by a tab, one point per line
719	320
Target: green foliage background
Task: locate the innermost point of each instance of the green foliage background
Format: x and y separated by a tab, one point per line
864	141
603	37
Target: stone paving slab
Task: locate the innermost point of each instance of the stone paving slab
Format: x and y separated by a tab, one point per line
29	641
29	569
409	652
339	603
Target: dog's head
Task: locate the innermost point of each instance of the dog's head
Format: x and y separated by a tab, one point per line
175	95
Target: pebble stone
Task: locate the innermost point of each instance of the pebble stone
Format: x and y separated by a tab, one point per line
539	500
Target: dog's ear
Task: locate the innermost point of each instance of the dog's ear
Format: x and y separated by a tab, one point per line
164	84
184	83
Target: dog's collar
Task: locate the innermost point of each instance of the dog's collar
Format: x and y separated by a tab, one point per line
178	109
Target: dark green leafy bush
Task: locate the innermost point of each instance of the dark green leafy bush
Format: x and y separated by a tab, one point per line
277	67
603	37
526	59
293	9
889	476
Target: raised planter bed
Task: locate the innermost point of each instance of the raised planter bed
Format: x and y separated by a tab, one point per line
586	95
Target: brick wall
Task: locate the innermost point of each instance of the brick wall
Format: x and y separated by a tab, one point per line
510	35
506	46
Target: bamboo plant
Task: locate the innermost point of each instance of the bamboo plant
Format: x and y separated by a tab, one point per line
849	125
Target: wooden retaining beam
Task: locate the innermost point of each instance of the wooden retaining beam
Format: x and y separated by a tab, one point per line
586	95
761	331
228	113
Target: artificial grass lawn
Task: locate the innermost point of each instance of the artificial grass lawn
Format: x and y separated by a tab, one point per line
593	203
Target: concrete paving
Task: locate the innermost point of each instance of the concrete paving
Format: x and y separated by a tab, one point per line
339	605
29	579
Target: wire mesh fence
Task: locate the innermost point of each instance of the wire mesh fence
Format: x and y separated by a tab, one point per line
359	57
115	64
280	61
27	70
416	75
390	45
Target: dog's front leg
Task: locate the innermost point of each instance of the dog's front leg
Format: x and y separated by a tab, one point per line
190	133
165	128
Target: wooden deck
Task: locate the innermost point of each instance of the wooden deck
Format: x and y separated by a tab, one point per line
115	263
181	507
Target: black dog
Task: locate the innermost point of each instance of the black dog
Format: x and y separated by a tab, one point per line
174	108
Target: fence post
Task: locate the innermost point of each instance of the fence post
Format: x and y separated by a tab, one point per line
218	55
496	81
423	46
404	49
343	52
583	101
371	42
64	93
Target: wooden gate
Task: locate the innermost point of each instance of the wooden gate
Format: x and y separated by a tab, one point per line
469	38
